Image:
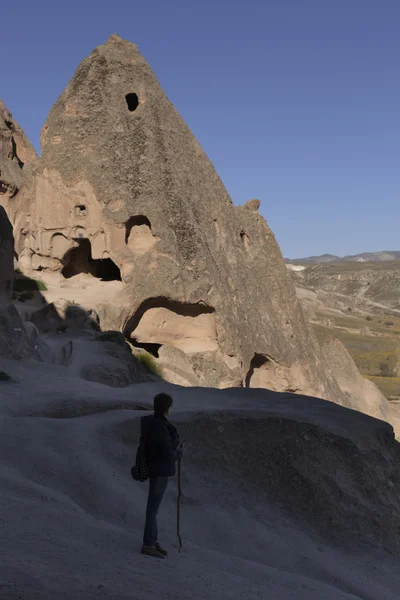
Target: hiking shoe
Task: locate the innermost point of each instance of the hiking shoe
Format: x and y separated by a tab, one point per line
152	551
160	549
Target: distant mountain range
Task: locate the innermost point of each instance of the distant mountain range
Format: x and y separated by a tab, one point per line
329	258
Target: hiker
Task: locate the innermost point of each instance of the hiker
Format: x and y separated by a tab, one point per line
162	449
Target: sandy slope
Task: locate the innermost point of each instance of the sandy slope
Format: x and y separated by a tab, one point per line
285	497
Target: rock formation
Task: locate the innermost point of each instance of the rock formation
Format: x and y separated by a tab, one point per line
123	191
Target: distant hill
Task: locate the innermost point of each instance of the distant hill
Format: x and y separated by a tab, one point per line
384	255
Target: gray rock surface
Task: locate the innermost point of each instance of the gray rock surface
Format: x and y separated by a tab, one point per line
285	497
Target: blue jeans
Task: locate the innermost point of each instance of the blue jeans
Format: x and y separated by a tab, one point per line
157	488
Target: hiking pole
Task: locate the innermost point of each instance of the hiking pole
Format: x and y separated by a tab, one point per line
179	505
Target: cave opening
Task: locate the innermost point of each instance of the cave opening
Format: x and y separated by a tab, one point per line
79	260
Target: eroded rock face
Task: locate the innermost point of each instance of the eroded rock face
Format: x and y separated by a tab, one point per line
124	191
6	257
15	153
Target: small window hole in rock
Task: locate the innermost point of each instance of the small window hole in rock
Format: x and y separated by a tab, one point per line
138	234
132	101
80	210
245	239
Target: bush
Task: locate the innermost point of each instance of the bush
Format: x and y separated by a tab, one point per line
369	318
25	296
71	302
4	376
112	336
26	284
389	323
385	369
149	363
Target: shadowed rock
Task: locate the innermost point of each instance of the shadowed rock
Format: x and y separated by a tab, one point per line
6	257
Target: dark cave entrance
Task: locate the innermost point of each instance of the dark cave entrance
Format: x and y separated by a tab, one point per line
149	347
257	362
79	260
132	101
136	221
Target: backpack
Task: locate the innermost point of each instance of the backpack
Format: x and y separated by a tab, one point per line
140	471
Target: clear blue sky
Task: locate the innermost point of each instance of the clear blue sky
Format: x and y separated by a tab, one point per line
296	102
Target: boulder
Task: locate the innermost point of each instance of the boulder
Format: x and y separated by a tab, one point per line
107	363
253	205
60	315
14	340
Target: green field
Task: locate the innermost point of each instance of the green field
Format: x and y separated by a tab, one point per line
351	267
388	326
389	386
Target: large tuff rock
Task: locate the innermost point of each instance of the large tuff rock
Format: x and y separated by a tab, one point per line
123	190
6	257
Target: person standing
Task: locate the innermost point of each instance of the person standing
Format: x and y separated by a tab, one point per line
162	450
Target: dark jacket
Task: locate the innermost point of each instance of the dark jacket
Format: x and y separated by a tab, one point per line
161	442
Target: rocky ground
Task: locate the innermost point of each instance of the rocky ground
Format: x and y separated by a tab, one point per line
285	497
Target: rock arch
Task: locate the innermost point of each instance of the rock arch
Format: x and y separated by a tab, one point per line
262	372
161	321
